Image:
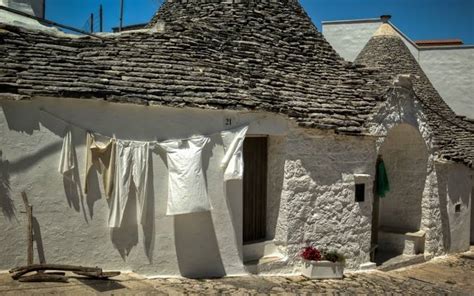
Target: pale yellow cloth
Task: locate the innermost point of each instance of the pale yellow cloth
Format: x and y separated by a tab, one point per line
101	154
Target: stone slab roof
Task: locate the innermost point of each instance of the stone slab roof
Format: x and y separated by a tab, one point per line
453	135
216	54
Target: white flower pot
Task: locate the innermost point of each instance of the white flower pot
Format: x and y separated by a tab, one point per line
323	269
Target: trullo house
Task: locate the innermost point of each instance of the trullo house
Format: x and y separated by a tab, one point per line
220	140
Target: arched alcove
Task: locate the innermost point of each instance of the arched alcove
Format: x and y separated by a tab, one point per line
405	155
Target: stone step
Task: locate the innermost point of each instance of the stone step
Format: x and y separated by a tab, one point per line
264	264
401	261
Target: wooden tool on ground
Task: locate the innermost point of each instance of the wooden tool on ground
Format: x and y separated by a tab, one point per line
41	275
91	272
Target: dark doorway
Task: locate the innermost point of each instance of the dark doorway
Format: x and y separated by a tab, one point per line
255	189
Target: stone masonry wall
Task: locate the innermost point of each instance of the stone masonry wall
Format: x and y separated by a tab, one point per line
317	201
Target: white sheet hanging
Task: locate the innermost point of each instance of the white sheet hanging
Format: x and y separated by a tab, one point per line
187	191
66	160
131	166
233	161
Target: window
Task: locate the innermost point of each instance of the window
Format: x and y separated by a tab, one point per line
457	208
360	192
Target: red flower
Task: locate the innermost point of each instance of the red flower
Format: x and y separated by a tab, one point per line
311	254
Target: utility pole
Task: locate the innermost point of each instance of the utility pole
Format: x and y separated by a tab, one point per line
101	19
121	15
92	23
44	9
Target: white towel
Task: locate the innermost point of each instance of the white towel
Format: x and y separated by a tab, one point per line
66	161
233	161
187	191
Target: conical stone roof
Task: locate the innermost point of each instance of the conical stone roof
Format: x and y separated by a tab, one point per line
234	54
453	135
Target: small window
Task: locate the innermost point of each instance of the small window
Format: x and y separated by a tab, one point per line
457	208
360	192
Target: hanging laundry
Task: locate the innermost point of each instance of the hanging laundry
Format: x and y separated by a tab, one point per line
131	166
101	153
382	184
66	161
233	161
187	191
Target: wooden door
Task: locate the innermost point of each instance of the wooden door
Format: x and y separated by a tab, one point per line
255	189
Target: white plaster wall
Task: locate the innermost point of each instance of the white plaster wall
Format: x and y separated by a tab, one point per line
72	228
455	188
318	199
349	38
452	73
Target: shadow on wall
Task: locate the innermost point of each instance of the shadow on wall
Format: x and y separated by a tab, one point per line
125	237
94	194
72	183
21	116
406	157
442	178
196	246
16	113
276	172
233	193
37	238
149	218
6	202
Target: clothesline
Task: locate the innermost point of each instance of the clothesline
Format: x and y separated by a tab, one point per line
155	142
123	162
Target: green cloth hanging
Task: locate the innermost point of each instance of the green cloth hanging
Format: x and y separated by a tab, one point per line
383	185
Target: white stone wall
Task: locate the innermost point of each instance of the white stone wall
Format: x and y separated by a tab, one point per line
318	196
401	108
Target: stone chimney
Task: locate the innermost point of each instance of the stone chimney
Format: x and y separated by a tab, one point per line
385	18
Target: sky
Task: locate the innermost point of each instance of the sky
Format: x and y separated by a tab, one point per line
418	19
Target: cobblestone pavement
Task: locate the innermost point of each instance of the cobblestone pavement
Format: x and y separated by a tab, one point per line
453	275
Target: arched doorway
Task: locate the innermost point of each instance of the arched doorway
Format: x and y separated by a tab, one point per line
397	215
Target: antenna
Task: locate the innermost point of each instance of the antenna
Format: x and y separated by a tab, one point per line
121	15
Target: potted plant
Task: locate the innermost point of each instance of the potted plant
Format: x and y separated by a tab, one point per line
322	264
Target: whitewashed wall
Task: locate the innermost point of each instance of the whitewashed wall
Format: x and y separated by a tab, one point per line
311	192
73	227
437	217
451	70
455	187
310	197
349	37
318	199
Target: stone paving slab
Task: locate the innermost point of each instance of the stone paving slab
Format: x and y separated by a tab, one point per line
452	275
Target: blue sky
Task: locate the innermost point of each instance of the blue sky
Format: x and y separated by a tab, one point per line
419	19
